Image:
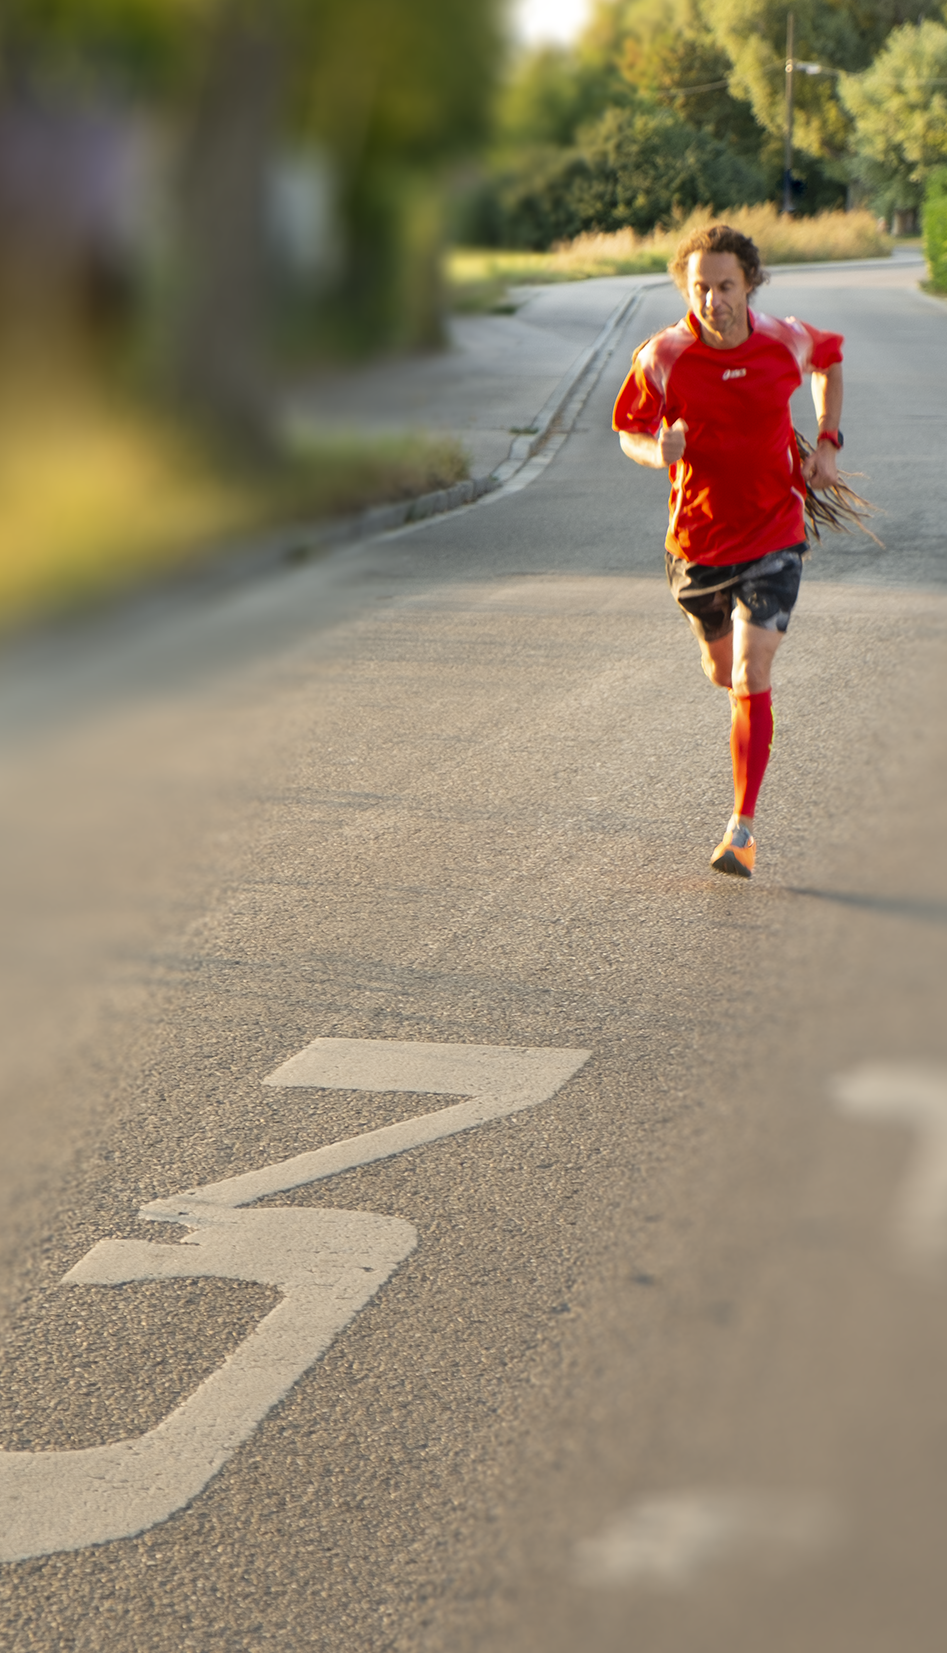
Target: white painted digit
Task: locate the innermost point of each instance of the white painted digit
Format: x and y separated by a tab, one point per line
327	1264
917	1096
671	1539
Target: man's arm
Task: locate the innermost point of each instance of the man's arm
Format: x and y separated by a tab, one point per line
821	468
656	451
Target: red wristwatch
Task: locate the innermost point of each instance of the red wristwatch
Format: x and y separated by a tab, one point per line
834	436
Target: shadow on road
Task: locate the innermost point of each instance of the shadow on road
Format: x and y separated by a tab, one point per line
928	912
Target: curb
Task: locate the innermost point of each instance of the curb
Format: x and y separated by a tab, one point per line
383	519
883	261
380	519
588	364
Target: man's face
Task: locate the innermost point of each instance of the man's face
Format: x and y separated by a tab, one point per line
717	292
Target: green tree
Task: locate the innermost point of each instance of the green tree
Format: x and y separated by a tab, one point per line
899	109
690	72
843	35
649	165
721	65
551	93
633	167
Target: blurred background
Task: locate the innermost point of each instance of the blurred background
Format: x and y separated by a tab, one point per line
206	204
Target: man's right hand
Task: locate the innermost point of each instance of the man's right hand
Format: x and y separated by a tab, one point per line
672	440
656	451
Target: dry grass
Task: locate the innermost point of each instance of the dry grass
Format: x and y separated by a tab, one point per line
97	495
479	278
337	472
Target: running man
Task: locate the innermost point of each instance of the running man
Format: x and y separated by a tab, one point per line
709	398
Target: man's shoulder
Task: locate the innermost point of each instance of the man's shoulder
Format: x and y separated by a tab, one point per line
657	355
794	335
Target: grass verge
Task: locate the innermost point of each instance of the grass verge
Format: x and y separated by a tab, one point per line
97	496
479	279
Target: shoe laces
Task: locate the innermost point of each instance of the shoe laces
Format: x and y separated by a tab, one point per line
741	837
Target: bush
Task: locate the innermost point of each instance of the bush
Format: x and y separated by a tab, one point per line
632	169
935	228
536	203
648	166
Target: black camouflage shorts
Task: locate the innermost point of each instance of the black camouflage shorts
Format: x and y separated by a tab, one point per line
762	592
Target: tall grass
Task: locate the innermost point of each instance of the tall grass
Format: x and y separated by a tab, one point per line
780	238
479	278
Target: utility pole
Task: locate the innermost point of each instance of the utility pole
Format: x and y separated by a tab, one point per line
788	202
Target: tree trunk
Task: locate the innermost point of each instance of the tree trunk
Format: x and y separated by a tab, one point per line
905	221
220	348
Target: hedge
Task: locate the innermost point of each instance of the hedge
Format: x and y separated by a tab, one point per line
935	228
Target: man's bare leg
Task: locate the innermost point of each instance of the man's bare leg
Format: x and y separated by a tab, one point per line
743	660
753	650
717	660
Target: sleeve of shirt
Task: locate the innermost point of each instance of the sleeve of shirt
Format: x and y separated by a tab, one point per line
640	404
826	348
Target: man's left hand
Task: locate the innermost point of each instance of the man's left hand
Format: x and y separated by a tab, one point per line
820	469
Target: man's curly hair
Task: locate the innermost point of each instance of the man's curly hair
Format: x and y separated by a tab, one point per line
719	238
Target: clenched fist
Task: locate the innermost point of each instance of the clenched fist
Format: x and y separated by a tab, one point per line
672	441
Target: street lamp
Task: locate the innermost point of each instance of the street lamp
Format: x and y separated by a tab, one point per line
792	64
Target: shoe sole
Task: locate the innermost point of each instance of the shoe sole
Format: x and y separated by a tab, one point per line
727	862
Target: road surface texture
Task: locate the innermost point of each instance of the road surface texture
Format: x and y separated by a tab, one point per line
655	1353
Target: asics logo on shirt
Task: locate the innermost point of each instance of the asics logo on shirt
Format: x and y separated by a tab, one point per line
735	373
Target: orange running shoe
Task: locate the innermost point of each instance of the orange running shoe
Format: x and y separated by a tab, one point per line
736	853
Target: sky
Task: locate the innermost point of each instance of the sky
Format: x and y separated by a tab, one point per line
545	20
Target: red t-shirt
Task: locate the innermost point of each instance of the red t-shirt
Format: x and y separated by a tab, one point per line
739	491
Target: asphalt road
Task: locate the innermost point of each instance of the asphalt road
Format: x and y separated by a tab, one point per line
663	1367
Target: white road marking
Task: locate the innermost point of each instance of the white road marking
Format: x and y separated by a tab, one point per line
911	1095
669	1540
328	1265
497	1080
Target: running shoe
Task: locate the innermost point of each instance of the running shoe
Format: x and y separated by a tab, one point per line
736	853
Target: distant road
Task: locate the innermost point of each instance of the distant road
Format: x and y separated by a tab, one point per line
644	1347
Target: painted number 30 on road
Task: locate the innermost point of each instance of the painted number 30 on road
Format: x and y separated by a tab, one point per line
327	1265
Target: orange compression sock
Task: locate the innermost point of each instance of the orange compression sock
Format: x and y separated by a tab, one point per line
751	739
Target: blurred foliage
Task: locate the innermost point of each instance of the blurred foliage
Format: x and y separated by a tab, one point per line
143	46
899	107
554	93
100	491
127	447
394	91
935	228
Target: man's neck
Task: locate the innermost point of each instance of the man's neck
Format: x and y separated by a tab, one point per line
736	335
